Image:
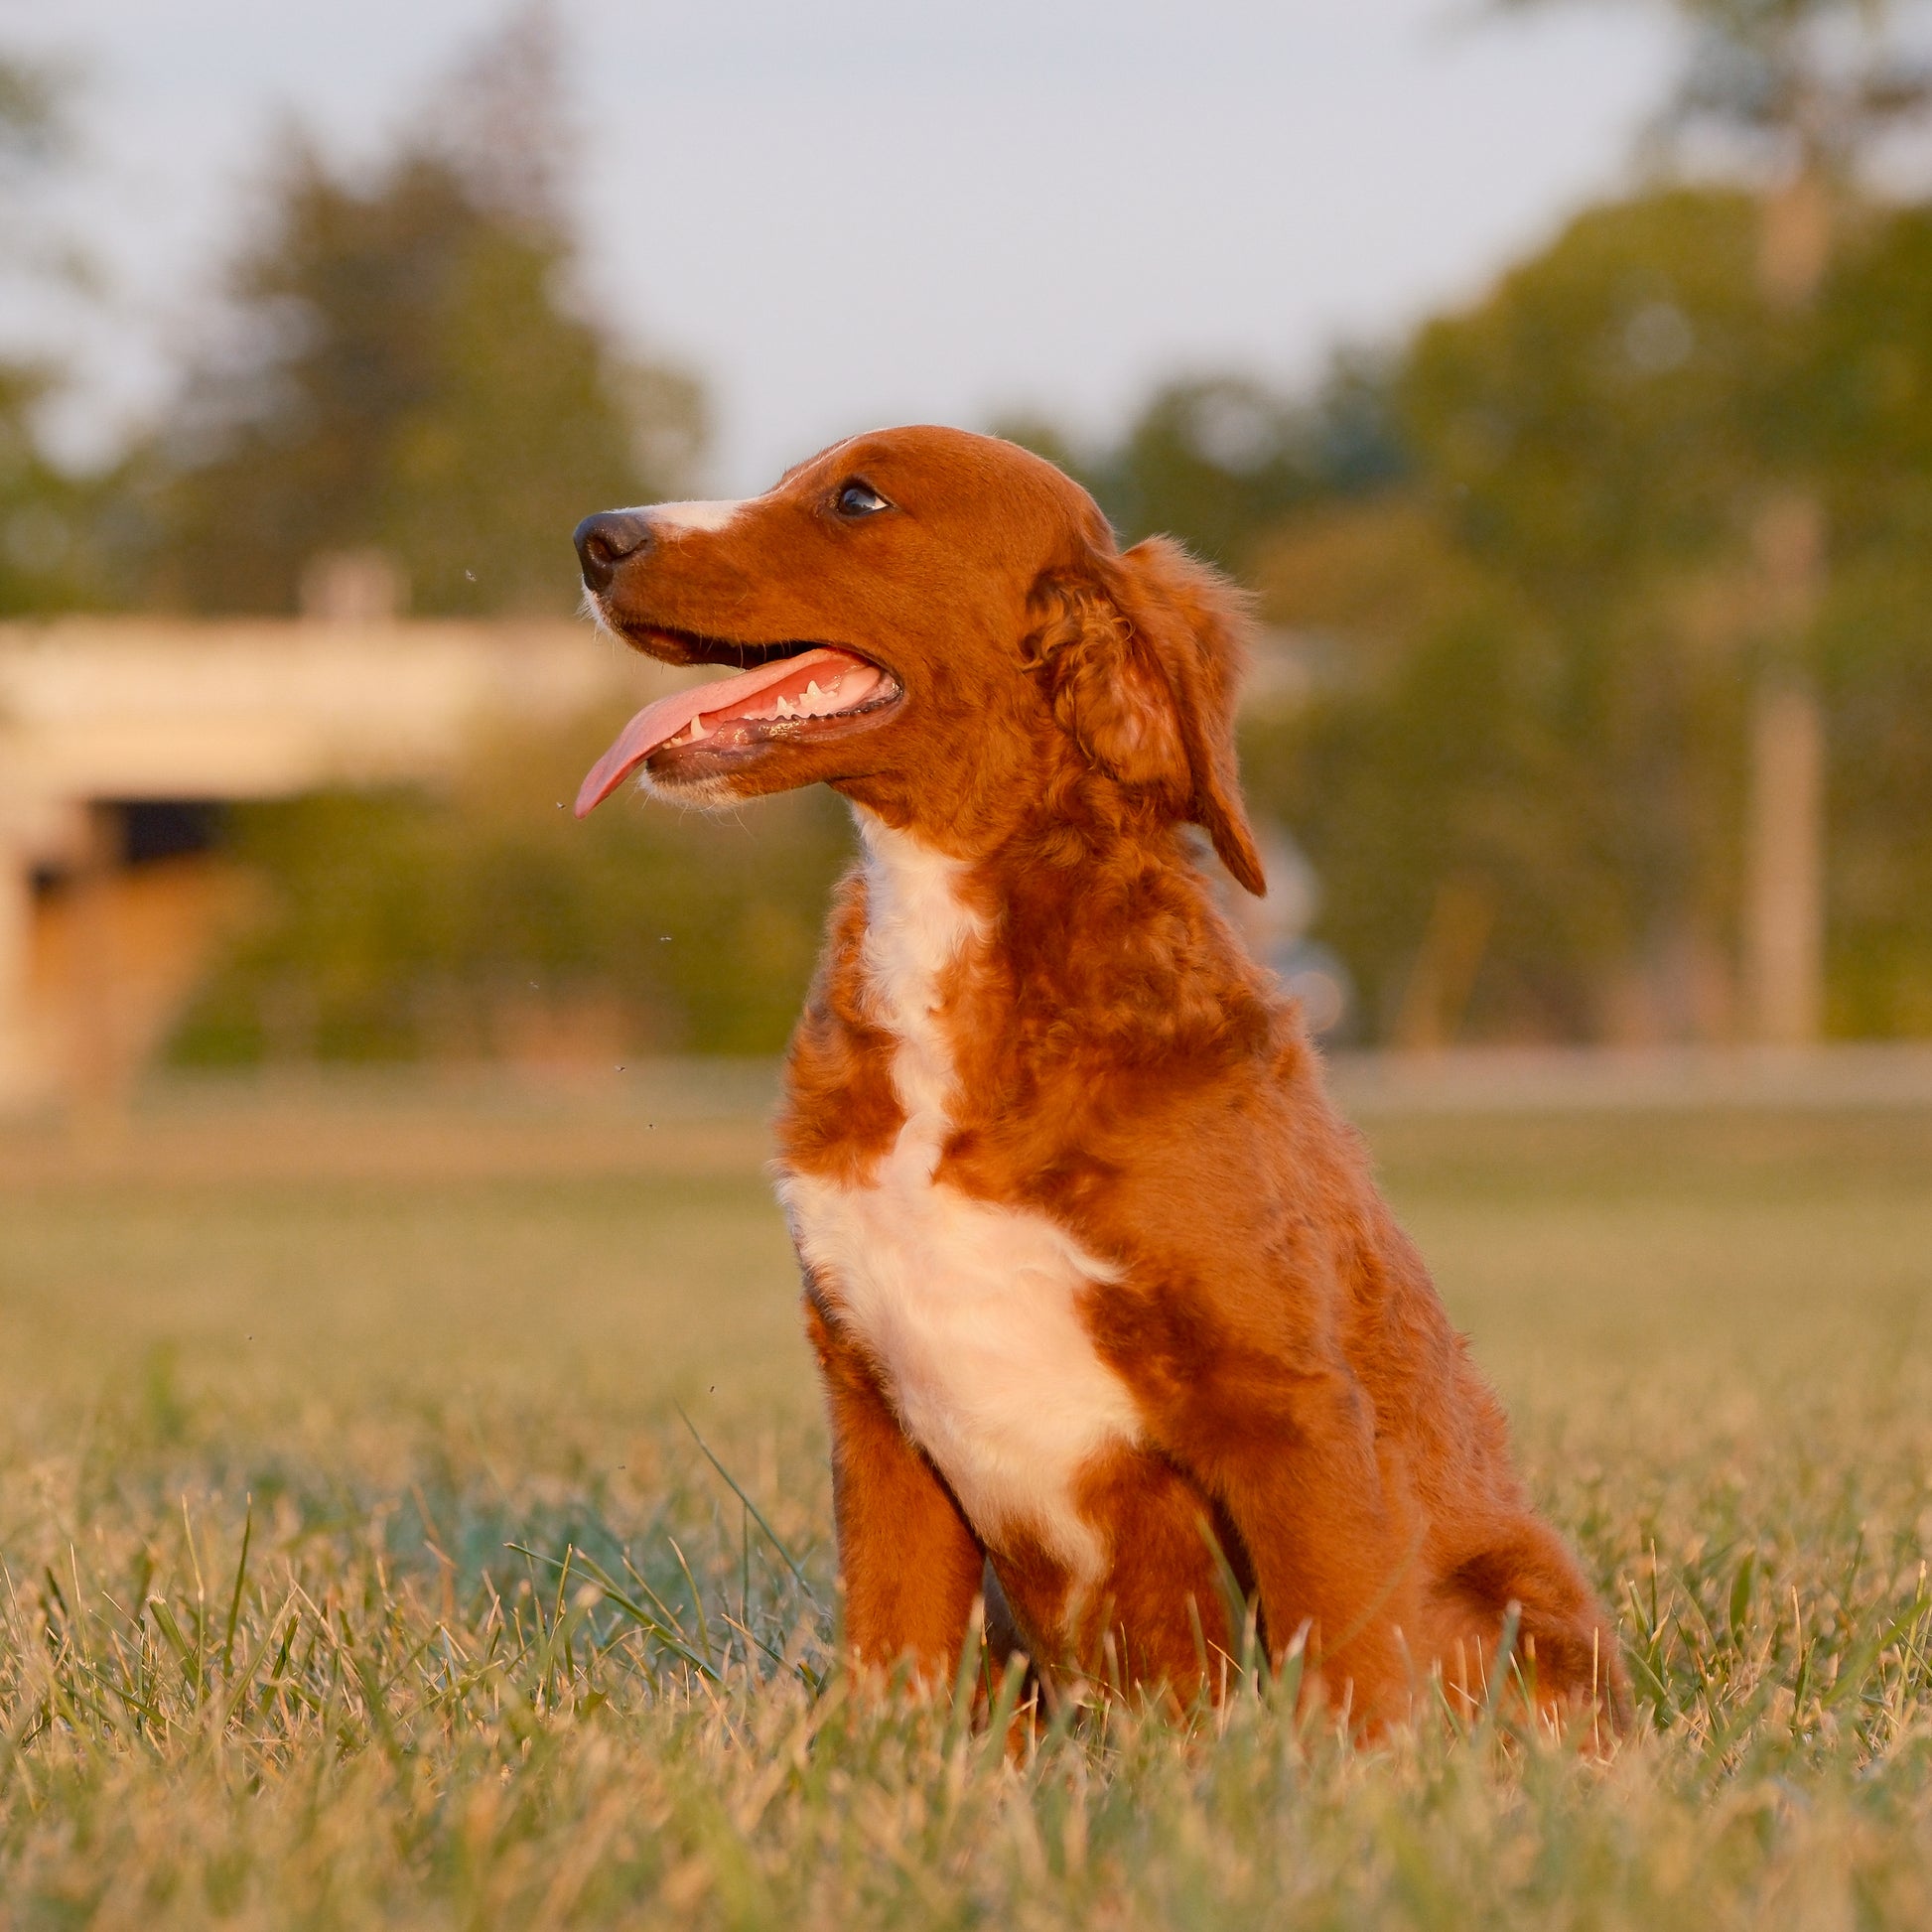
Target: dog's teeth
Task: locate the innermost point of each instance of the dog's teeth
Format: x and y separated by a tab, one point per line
814	694
698	729
785	709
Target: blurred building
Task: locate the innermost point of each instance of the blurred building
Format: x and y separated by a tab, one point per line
122	739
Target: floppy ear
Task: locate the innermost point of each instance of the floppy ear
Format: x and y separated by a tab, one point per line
1141	656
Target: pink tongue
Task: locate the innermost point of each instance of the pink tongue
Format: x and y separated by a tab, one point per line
657	724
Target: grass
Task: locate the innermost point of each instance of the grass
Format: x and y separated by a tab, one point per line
359	1568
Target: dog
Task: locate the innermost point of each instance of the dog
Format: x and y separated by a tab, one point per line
1104	1301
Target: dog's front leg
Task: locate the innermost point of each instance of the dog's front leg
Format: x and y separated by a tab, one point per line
910	1565
1291	1452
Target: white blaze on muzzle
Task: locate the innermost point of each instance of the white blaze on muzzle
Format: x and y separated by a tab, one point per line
668	518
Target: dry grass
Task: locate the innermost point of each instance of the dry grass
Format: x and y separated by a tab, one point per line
360	1571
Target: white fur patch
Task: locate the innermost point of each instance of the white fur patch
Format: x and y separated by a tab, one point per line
693	516
969	1310
592	606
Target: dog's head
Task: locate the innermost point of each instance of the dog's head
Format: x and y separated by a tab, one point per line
937	625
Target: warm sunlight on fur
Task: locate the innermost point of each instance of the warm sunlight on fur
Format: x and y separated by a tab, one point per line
1100	1287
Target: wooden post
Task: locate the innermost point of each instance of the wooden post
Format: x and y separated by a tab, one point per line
1784	860
1785	924
98	1075
17	1064
1437	996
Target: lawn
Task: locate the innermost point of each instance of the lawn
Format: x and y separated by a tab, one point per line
366	1561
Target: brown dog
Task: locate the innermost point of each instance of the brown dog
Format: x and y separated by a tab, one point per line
1097	1281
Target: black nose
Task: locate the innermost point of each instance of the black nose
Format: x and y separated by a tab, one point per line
604	541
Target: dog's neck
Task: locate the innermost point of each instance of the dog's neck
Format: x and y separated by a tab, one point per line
918	921
1125	937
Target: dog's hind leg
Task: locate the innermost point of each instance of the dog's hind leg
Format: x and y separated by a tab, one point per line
910	1565
1565	1647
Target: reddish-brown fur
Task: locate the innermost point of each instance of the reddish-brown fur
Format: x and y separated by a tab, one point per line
1123	1068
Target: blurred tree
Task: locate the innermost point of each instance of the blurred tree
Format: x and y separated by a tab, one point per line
1810	85
1524	732
1596	415
407	372
1550	630
43	509
487	921
1594	433
1218	461
1871	375
1213	460
1406	777
1630	466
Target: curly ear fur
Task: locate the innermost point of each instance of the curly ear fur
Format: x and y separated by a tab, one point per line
1140	658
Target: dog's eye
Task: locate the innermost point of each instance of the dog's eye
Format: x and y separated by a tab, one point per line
861	499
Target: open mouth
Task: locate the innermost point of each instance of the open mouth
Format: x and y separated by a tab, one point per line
794	693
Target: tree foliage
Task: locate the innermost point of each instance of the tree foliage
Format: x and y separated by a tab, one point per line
1871	378
1593	418
1826	76
1219	460
486	920
43	510
407	371
1550	629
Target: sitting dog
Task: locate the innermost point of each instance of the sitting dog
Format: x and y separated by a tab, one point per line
1102	1294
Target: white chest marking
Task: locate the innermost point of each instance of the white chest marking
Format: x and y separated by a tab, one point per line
970	1310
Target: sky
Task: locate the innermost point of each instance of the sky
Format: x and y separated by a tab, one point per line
843	213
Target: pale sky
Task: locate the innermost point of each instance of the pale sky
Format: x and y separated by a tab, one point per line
843	214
